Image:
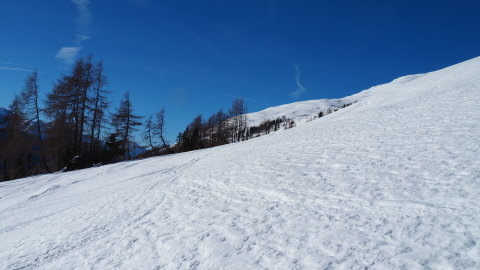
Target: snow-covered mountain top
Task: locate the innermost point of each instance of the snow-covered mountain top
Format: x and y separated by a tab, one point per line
301	109
390	182
406	79
292	110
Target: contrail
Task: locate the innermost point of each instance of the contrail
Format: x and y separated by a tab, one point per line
300	89
15	69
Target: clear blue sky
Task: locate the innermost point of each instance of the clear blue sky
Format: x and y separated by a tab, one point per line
194	56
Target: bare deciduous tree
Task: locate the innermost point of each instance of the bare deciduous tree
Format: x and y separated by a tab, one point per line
29	95
238	120
159	128
99	104
148	134
125	122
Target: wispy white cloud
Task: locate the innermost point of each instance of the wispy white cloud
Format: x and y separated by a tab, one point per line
4	65
83	20
15	69
68	54
300	89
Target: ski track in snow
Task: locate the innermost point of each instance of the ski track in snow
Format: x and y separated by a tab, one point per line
391	182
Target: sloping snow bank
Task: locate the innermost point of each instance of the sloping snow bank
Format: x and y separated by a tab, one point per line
391	182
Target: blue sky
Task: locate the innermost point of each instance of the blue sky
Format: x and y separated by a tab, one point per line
195	56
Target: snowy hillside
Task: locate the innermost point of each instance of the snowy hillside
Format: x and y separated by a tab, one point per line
294	111
390	182
301	110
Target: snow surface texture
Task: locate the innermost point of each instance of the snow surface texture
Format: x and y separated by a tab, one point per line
390	182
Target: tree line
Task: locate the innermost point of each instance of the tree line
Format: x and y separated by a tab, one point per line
73	129
218	129
76	127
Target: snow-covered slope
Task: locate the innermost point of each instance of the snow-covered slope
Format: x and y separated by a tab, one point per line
300	110
296	110
390	182
303	111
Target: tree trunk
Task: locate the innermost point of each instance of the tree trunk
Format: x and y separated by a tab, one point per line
40	140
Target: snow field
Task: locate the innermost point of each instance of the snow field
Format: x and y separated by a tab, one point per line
390	182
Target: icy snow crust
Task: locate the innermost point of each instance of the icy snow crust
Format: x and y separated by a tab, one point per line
391	182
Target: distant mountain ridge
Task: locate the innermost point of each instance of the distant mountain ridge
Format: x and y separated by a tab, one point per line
3	113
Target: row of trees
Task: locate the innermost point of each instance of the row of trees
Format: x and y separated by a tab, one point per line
268	126
220	128
154	134
72	128
21	142
75	110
